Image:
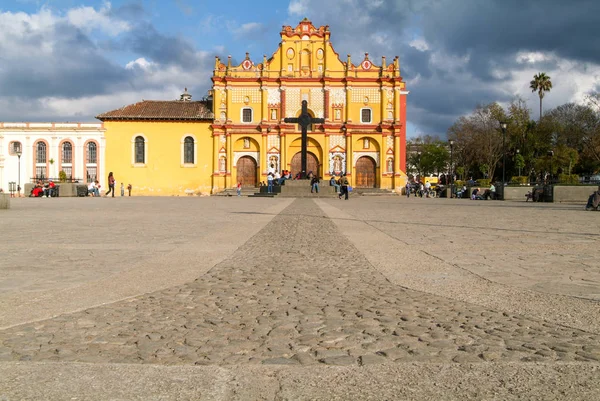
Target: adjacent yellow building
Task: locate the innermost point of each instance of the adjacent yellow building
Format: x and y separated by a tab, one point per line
238	134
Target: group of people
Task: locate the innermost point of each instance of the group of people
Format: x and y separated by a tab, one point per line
419	189
341	185
95	190
40	189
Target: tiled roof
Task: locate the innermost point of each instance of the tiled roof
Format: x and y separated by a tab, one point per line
160	110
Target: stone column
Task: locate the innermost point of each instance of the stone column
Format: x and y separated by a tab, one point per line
349	157
229	177
283	151
263	167
215	175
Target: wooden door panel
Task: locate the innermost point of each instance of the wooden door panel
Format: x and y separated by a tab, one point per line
246	171
365	173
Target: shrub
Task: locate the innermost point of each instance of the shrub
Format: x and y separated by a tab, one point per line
62	176
459	183
484	182
519	179
568	179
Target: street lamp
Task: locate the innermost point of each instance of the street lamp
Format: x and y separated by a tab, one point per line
19	153
503	126
551	154
451	168
519	163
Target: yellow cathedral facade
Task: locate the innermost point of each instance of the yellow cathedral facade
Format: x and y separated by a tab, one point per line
238	133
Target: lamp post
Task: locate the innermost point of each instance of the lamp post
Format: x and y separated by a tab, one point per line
19	153
551	154
519	163
451	168
503	126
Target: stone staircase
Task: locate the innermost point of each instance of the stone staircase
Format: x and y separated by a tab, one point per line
297	189
301	189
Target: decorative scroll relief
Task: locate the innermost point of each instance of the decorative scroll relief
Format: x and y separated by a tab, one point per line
358	155
238	155
273	96
337	163
317	102
292	101
239	95
273	141
359	95
337	140
337	96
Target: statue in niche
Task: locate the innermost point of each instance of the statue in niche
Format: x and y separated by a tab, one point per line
222	163
246	143
337	164
390	165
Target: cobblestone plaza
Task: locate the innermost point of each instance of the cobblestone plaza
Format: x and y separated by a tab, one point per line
276	299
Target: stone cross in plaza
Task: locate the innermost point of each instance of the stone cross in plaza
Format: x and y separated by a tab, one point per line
304	120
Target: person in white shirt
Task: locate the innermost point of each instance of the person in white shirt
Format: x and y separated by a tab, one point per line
93	188
427	188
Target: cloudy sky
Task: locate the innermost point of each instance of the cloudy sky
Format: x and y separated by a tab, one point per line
69	60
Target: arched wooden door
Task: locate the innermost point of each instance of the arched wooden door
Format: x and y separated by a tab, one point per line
365	172
246	171
312	163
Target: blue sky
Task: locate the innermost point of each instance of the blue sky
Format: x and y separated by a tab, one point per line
69	60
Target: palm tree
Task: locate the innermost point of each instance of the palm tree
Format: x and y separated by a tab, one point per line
541	83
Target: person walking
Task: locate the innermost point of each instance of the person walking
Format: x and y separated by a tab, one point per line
270	183
111	184
407	189
239	188
344	186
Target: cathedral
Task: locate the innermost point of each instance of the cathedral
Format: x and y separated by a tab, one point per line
239	133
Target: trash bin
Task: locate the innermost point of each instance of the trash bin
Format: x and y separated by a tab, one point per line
548	193
499	190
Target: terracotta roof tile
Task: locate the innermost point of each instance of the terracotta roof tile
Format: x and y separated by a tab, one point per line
160	110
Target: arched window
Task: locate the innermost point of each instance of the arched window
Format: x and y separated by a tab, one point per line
140	150
92	153
67	152
66	162
91	162
188	150
41	158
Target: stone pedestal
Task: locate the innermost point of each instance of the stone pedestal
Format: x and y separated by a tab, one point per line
4	201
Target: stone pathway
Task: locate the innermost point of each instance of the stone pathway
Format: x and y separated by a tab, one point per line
296	293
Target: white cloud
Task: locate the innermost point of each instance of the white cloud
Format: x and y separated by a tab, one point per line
531	57
140	63
297	7
88	18
247	28
419	44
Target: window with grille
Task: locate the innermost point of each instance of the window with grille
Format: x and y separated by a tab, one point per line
68	170
67	153
40	156
365	116
91	173
188	150
40	172
92	153
14	148
140	150
247	115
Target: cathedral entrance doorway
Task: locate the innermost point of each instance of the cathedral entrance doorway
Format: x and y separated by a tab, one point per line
365	172
312	163
246	171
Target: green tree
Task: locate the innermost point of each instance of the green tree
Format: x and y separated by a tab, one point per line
519	162
540	83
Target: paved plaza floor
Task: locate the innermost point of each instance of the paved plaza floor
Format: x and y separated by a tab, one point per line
236	298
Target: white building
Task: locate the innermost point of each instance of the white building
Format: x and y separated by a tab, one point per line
46	149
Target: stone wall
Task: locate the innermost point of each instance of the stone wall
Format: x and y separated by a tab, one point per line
4	201
67	190
574	193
